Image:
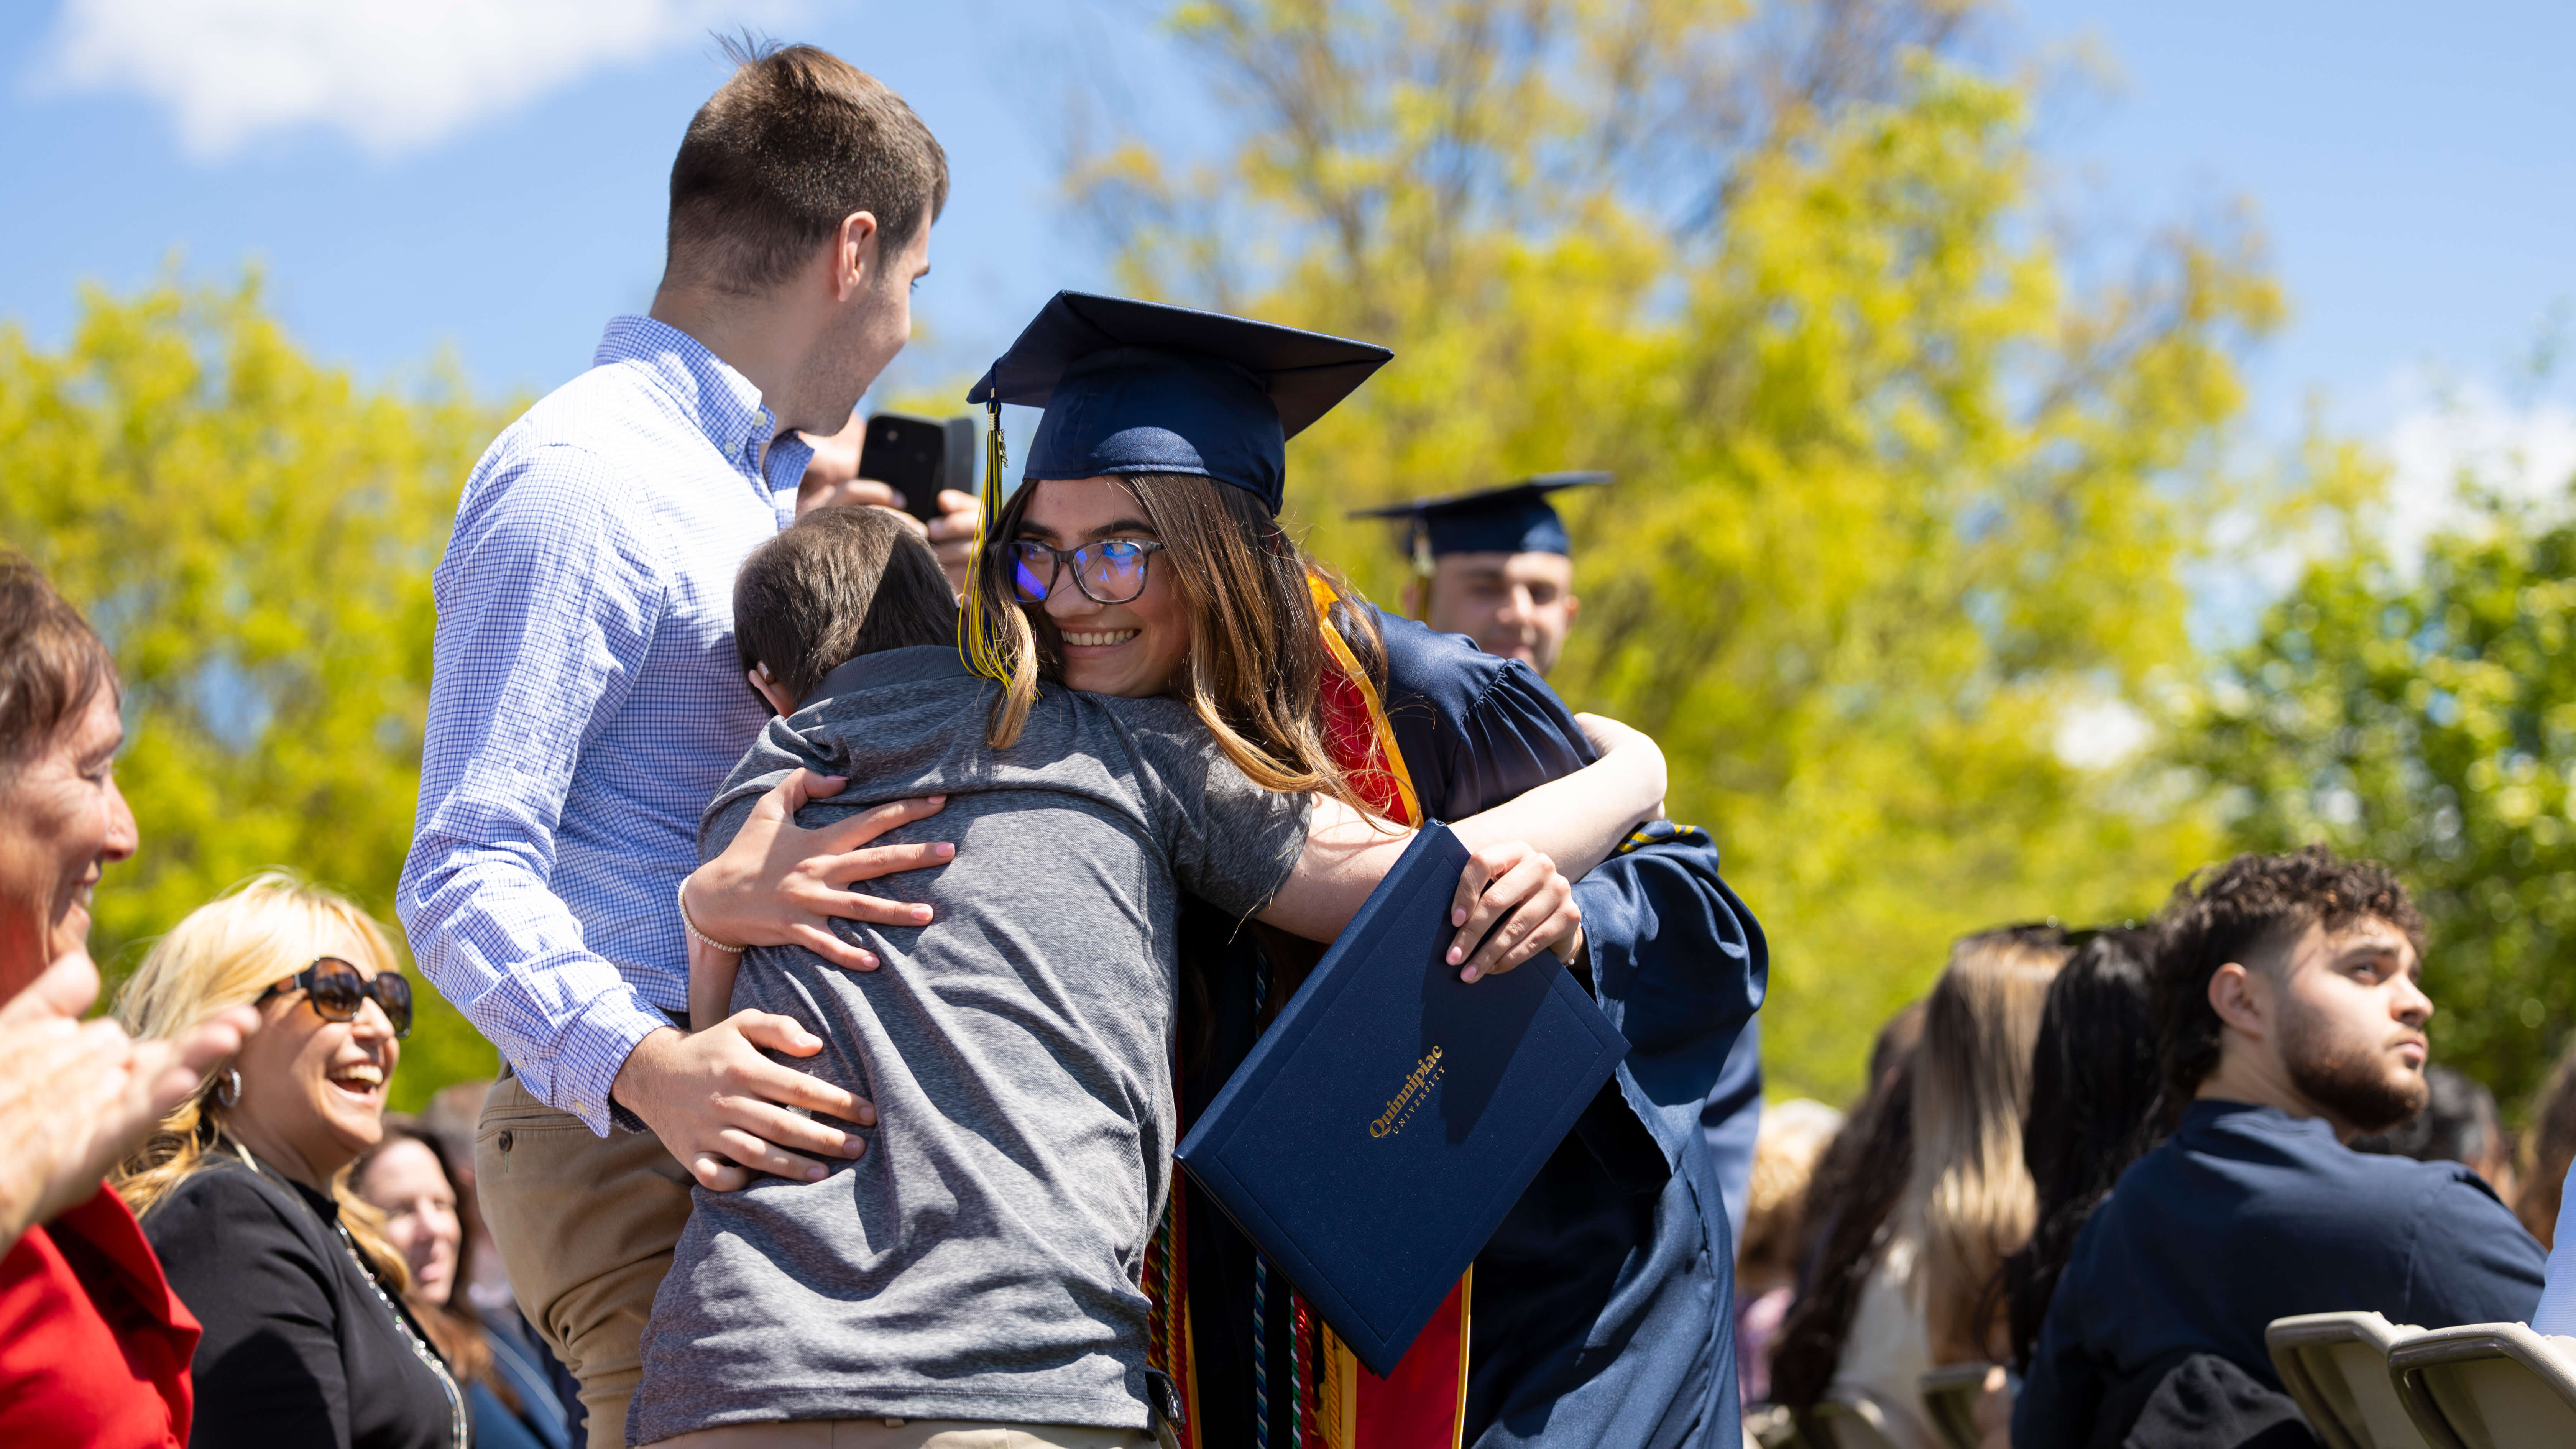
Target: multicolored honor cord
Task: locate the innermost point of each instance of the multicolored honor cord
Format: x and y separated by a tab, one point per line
1339	1405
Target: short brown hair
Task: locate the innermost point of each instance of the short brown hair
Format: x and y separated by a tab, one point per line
2228	912
796	141
843	582
52	664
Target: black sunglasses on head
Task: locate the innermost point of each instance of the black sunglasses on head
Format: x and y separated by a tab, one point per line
338	991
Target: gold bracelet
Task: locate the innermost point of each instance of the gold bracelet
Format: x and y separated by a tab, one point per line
690	926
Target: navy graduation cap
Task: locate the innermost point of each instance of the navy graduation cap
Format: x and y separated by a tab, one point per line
1515	518
1141	387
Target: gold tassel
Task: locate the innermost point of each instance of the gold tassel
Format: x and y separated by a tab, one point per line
981	643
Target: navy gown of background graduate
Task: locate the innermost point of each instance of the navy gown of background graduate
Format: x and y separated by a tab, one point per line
1603	1306
1602	1310
1518	518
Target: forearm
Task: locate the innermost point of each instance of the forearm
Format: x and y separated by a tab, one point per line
1346	855
1578	820
494	940
711	974
1510	900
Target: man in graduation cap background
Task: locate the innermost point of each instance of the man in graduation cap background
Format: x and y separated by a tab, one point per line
1497	565
1599	1312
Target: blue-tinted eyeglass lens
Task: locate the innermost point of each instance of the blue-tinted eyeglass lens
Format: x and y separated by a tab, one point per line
1032	572
1115	570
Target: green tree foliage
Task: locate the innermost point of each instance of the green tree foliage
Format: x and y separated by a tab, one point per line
1897	493
2430	721
253	535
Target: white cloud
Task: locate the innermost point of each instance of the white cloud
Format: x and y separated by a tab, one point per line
2096	734
395	75
2471	438
2442	440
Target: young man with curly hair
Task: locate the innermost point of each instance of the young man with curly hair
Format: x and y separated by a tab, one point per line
2289	1021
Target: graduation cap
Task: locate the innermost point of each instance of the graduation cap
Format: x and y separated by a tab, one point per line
1141	387
1514	518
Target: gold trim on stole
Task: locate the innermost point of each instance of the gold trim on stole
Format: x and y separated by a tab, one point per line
1340	649
1339	1389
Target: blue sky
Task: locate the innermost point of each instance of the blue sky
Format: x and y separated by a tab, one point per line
489	185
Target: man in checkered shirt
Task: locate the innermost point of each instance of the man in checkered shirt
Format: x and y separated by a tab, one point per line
586	702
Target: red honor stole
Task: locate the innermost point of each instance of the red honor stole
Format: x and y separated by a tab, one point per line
1340	1405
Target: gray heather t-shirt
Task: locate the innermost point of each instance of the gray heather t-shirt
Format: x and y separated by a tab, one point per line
980	1260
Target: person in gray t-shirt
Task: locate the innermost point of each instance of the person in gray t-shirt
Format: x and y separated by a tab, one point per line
980	1262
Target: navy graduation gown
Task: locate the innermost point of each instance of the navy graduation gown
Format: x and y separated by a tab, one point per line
1732	1123
1603	1308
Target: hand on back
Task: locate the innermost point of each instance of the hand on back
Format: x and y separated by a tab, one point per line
721	1107
778	885
725	1111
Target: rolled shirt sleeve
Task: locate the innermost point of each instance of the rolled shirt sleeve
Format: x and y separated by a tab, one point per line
586	699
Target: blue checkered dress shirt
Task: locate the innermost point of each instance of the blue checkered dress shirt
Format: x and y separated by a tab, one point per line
585	701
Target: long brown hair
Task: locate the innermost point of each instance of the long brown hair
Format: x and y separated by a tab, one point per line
2547	1150
1856	1187
455	1332
1970	1201
1257	661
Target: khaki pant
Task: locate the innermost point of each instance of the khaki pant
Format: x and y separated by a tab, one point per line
586	1225
908	1434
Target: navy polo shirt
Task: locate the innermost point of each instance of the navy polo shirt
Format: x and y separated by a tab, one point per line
2248	1214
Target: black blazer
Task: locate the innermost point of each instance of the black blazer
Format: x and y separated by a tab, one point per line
301	1351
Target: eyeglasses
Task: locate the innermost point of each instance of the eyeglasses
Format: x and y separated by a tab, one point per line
337	992
1111	571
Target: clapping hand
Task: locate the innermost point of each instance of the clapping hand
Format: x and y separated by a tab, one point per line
76	1097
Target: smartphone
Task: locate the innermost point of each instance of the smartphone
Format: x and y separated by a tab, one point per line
919	456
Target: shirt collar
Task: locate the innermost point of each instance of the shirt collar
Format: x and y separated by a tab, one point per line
2207	1112
911	664
720	400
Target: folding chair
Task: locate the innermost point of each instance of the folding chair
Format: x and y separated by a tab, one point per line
2336	1366
1950	1395
1771	1426
1849	1423
2488	1386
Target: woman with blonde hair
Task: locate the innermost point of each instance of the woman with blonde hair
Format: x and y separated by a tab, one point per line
244	1190
1969	1200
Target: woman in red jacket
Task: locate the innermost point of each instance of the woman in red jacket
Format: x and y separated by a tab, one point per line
94	1347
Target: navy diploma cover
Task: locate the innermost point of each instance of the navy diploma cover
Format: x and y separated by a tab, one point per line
1392	1115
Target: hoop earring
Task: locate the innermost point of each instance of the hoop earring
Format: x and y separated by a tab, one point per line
227	1093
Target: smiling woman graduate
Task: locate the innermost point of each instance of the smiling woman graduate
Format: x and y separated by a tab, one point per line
1598	1313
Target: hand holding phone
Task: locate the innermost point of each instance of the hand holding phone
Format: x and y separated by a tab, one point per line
917	457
